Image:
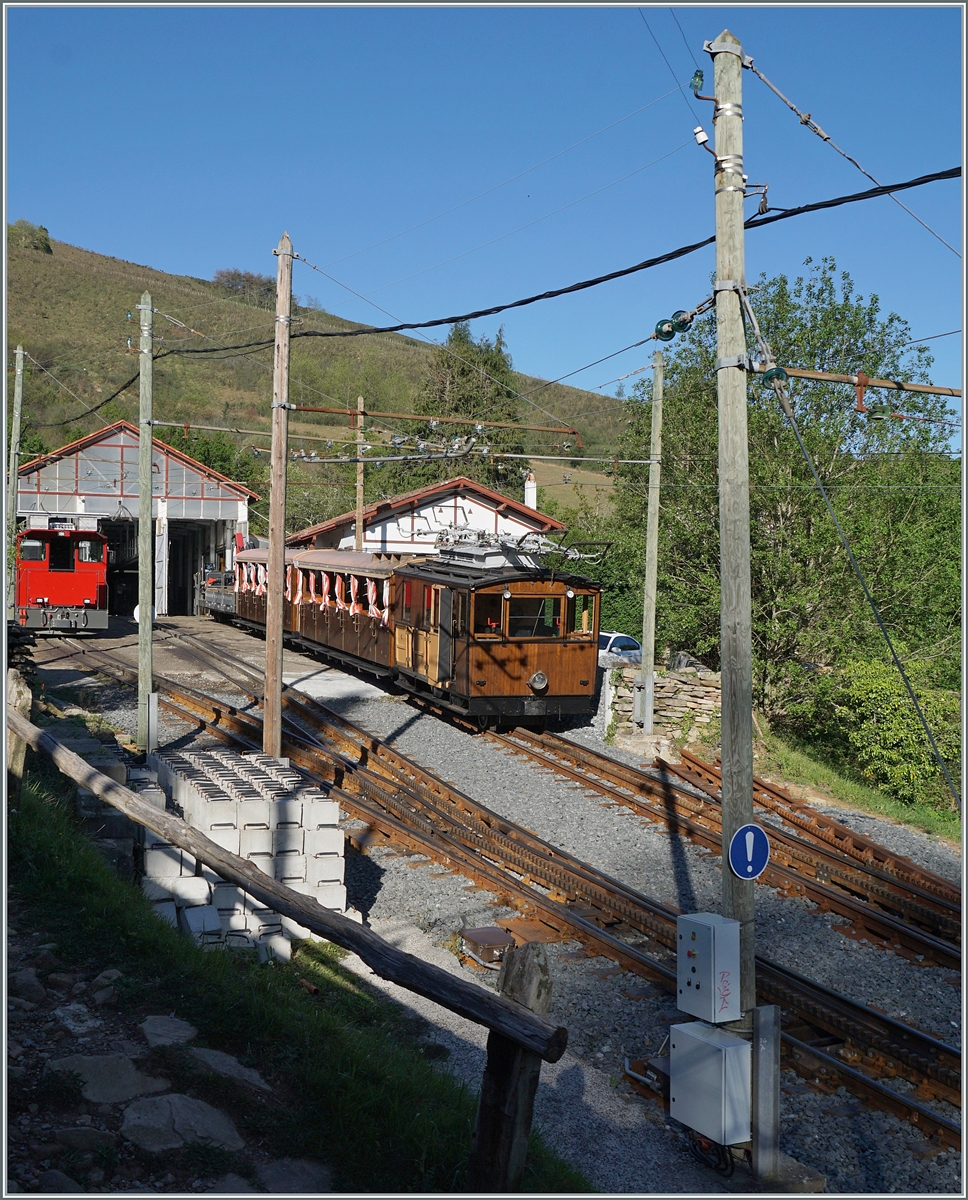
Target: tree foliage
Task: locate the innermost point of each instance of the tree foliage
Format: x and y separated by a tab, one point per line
29	237
893	485
247	286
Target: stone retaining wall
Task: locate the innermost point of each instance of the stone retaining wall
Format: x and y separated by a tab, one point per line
683	698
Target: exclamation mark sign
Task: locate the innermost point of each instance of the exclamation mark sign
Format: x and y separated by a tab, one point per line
749	852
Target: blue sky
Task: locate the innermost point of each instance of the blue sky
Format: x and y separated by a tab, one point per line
188	138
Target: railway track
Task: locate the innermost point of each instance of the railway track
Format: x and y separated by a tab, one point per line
887	899
830	1040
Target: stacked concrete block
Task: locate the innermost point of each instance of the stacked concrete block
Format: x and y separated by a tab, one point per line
259	808
113	833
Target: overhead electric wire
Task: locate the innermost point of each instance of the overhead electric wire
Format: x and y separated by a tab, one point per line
815	128
688	47
498	186
781	396
670	256
667	63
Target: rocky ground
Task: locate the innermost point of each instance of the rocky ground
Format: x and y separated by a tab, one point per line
101	1100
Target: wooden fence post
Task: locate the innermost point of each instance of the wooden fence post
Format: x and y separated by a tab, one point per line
19	699
500	1143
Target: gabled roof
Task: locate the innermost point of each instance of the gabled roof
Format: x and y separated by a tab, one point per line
99	435
459	483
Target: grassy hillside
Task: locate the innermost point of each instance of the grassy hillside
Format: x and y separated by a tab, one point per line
69	310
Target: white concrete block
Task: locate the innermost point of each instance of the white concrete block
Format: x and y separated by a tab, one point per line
320	813
167	911
278	946
255	841
289	868
325	868
324	841
199	921
286	812
213	813
211	876
233	922
294	930
153	890
163	862
237	940
262	861
287	840
188	892
227	895
254	814
225	836
330	895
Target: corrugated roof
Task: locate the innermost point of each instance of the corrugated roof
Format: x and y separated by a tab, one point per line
459	483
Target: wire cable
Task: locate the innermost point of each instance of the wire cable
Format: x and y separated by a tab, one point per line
668	64
670	256
781	395
686	44
815	128
92	411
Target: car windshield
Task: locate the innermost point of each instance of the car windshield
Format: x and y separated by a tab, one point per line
625	643
534	616
603	641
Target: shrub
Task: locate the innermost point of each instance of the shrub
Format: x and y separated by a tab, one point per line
30	237
863	716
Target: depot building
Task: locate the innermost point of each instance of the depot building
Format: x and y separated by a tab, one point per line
200	516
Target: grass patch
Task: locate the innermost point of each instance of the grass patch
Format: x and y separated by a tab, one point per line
353	1088
799	765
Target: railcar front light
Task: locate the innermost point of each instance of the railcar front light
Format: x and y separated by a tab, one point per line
538	681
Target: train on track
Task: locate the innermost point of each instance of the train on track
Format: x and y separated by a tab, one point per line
481	628
62	578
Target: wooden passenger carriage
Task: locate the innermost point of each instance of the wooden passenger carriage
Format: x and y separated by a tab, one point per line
482	631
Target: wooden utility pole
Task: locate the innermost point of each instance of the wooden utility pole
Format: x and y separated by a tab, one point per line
500	1142
272	726
359	473
734	497
652	547
146	551
13	462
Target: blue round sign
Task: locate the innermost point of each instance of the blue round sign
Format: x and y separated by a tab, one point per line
749	852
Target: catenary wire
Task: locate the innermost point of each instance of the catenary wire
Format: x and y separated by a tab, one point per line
815	128
781	396
667	63
688	47
670	256
498	186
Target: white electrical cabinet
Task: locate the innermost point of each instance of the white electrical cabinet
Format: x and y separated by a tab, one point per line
709	1081
707	967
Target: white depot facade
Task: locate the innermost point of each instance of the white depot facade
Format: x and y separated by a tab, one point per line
197	511
411	523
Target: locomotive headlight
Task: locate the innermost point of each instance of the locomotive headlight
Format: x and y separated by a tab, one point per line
87	602
507	594
570	594
538	681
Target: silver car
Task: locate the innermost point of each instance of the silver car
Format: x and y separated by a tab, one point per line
618	647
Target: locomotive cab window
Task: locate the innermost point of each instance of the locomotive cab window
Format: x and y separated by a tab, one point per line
534	617
33	551
487	614
90	551
461	605
407	606
581	616
62	554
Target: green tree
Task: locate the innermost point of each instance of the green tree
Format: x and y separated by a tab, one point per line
892	483
29	237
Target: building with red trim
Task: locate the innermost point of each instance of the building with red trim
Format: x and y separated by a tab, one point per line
93	483
410	523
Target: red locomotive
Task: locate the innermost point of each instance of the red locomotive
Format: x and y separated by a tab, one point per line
62	578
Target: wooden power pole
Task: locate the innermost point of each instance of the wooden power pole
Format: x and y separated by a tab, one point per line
272	710
652	547
146	555
734	505
359	473
13	462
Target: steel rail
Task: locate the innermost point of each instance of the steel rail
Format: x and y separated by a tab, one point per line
879	1042
795	867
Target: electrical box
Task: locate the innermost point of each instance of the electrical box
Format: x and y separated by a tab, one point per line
707	967
710	1081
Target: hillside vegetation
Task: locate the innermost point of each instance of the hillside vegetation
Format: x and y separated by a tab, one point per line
68	307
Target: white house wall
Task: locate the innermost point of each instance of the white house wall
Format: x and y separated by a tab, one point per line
399	533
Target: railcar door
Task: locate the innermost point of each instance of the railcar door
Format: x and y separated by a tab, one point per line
402	631
445	635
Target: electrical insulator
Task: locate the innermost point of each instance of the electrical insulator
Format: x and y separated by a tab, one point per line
681	321
701	136
664	331
776	373
696	82
878	412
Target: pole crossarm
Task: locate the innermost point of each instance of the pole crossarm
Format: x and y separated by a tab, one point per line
861	380
497	1013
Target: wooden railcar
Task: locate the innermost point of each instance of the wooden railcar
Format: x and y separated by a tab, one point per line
484	632
62	580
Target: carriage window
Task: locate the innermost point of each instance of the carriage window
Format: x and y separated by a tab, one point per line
429	615
487	614
407	601
534	616
31	551
460	613
581	616
90	551
62	554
